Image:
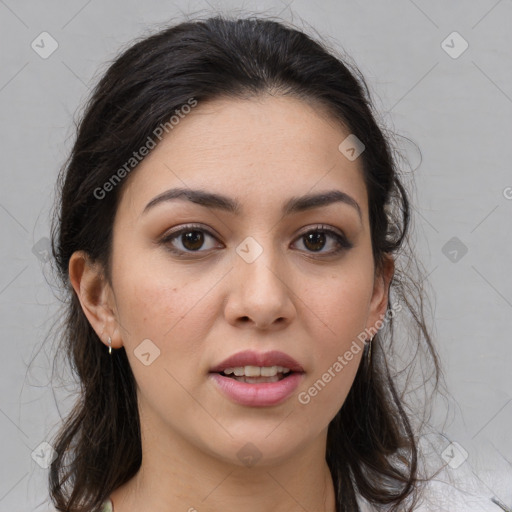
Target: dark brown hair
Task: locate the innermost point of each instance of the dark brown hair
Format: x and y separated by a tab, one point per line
372	449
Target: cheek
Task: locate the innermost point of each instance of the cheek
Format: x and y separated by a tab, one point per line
172	309
341	304
159	310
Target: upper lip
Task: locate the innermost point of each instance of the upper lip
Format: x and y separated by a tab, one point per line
251	358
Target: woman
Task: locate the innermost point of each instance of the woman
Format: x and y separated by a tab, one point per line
229	227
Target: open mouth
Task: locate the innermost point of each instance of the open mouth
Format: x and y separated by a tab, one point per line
257	386
258	379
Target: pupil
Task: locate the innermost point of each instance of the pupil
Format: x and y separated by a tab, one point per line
315	237
194	237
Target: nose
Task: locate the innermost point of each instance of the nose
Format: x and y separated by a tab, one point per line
259	293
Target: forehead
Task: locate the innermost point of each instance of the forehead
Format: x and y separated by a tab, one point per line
261	150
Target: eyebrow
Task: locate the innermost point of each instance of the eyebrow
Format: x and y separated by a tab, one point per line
221	202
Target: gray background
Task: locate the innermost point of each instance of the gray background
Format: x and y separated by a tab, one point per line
457	110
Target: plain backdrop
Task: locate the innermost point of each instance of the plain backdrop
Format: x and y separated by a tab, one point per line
453	101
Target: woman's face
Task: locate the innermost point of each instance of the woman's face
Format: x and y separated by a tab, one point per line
264	278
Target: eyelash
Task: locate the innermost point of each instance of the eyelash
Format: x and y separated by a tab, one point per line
343	243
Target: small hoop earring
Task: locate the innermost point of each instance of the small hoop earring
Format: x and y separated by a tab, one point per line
109	345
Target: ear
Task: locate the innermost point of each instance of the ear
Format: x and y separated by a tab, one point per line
95	296
379	300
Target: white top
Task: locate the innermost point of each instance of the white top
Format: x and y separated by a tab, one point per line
475	485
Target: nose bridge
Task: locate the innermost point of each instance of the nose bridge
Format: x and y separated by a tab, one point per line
259	288
258	262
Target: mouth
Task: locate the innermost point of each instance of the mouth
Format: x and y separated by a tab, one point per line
258	379
257	374
255	364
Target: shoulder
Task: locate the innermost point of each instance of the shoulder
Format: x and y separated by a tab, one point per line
445	497
465	489
440	494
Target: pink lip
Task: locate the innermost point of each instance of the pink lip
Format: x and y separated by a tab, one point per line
251	358
257	395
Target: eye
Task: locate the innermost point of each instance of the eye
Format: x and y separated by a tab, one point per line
315	240
191	238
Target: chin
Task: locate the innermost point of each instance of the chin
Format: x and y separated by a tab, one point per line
251	446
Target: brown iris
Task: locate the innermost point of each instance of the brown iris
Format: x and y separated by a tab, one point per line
317	239
193	240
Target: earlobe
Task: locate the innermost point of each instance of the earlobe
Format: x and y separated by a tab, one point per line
92	290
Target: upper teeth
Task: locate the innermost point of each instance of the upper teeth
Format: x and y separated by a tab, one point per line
256	371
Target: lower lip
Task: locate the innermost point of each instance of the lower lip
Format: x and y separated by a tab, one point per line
257	395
